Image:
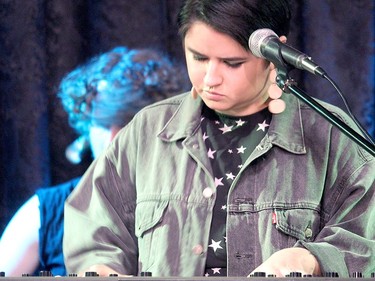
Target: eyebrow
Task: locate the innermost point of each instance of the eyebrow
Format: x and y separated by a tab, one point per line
224	59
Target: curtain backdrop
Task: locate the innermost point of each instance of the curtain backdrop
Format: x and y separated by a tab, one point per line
42	40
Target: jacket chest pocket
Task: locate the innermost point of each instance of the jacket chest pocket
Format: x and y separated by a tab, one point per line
296	224
148	218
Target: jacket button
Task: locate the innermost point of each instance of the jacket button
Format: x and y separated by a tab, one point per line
308	233
198	250
207	192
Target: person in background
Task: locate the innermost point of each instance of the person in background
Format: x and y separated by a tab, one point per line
228	179
100	97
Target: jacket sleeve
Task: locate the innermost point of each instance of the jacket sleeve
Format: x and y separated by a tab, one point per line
99	218
346	243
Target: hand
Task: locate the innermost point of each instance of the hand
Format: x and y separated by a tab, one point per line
290	260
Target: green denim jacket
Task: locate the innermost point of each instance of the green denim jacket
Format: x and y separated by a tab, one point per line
141	206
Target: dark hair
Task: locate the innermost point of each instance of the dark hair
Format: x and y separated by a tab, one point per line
236	18
110	88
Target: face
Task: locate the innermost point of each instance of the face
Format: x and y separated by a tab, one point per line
228	78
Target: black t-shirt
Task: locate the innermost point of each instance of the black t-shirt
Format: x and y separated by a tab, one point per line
229	141
51	230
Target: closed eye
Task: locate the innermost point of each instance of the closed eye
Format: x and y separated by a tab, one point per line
234	64
199	57
230	62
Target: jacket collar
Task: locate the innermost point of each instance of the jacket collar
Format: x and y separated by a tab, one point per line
186	119
285	131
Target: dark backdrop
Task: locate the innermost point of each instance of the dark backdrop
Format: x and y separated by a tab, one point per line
42	40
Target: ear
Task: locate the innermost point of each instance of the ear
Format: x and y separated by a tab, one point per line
114	130
272	66
283	39
194	92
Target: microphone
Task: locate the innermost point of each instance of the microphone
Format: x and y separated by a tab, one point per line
264	43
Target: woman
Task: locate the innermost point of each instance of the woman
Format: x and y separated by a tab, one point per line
213	183
100	97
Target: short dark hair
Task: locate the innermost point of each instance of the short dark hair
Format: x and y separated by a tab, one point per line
236	18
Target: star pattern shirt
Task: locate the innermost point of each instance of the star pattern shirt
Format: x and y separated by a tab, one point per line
229	142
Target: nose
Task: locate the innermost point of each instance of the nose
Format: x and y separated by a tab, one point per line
212	76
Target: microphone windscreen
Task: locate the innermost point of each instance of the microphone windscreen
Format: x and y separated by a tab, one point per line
256	40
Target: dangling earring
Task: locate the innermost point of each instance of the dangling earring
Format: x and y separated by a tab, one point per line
276	105
194	93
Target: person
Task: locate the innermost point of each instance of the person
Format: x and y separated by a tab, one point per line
99	97
229	178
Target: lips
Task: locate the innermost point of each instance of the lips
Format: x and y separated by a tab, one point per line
212	95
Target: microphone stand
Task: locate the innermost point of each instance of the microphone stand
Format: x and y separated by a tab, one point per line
289	86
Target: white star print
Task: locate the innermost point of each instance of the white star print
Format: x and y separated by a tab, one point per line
224	207
226	129
262	126
218	182
217	122
215	245
216	270
205	136
239	166
206	275
240	122
230	176
211	153
241	149
230	151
